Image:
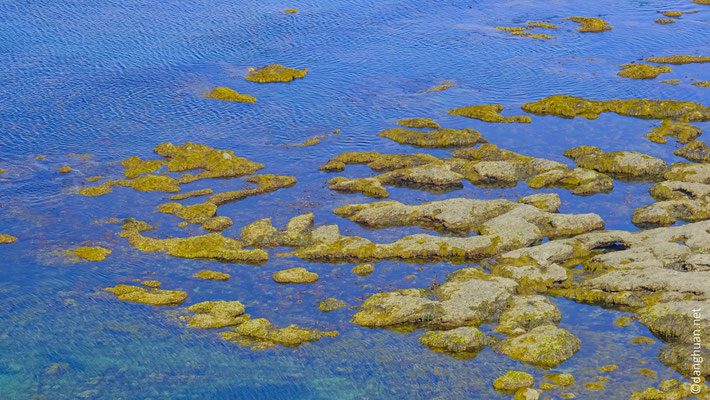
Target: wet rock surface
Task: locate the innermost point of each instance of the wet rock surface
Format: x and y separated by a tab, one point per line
620	164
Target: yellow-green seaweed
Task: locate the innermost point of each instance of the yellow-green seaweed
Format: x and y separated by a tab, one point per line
227	94
90	253
187	195
65	169
212	275
590	24
488	113
678	59
275	73
295	275
682	131
265	334
418	123
217	314
7	239
438	138
156	297
642	71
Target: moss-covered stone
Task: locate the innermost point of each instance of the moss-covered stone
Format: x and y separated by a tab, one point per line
7	239
377	161
156	297
628	165
217	314
695	151
211	163
188	195
673	14
418	123
570	107
194	214
664	21
135	166
488	113
266	183
260	333
212	275
642	71
685	201
291	11
674	82
513	381
546	346
275	73
624	321
683	132
528	312
642	340
143	183
579	181
590	24
549	202
330	304
363	269
513	28
688	172
217	224
681	358
465	339
295	275
560	379
678	60
527	394
90	253
227	94
438	138
370	187
540	24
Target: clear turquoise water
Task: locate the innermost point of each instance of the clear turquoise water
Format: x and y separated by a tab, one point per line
114	79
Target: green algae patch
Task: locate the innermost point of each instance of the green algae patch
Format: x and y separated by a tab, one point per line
267	183
682	131
295	275
664	21
90	253
217	224
702	84
560	379
65	169
309	142
532	35
513	381
260	333
488	113
227	94
364	269
642	71
217	314
330	304
156	297
211	162
275	73
438	138
7	239
439	88
590	24
678	60
212	246
143	183
418	123
212	275
540	24
188	195
135	166
571	106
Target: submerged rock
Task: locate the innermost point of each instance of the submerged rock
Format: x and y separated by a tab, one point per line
90	253
418	123
266	183
590	24
465	339
571	106
513	381
683	132
488	113
678	60
642	71
364	269
275	73
438	138
560	379
65	169
528	312
227	94
194	214
187	195
545	346
621	164
330	304
259	333
295	275
7	239
378	161
217	314
212	275
440	88
156	297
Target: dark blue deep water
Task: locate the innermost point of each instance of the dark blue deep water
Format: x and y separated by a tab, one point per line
114	79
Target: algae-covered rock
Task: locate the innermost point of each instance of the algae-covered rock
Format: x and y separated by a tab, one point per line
363	269
440	88
262	332
560	379
90	253
227	94
7	239
465	339
65	169
673	389
291	11
549	202
135	166
540	24
377	161
217	224
678	60
156	297
295	275
143	183
330	304
695	151
571	106
151	284
275	73
212	246
609	368
579	181
544	346
590	24
683	357
664	21
683	132
682	322
685	201
673	14
433	178
212	275
211	163
687	172
513	381
438	138
528	312
188	195
370	187
642	71
418	123
488	113
217	314
621	164
261	233
527	394
194	214
266	183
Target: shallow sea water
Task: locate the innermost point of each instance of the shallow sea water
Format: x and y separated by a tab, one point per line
114	79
